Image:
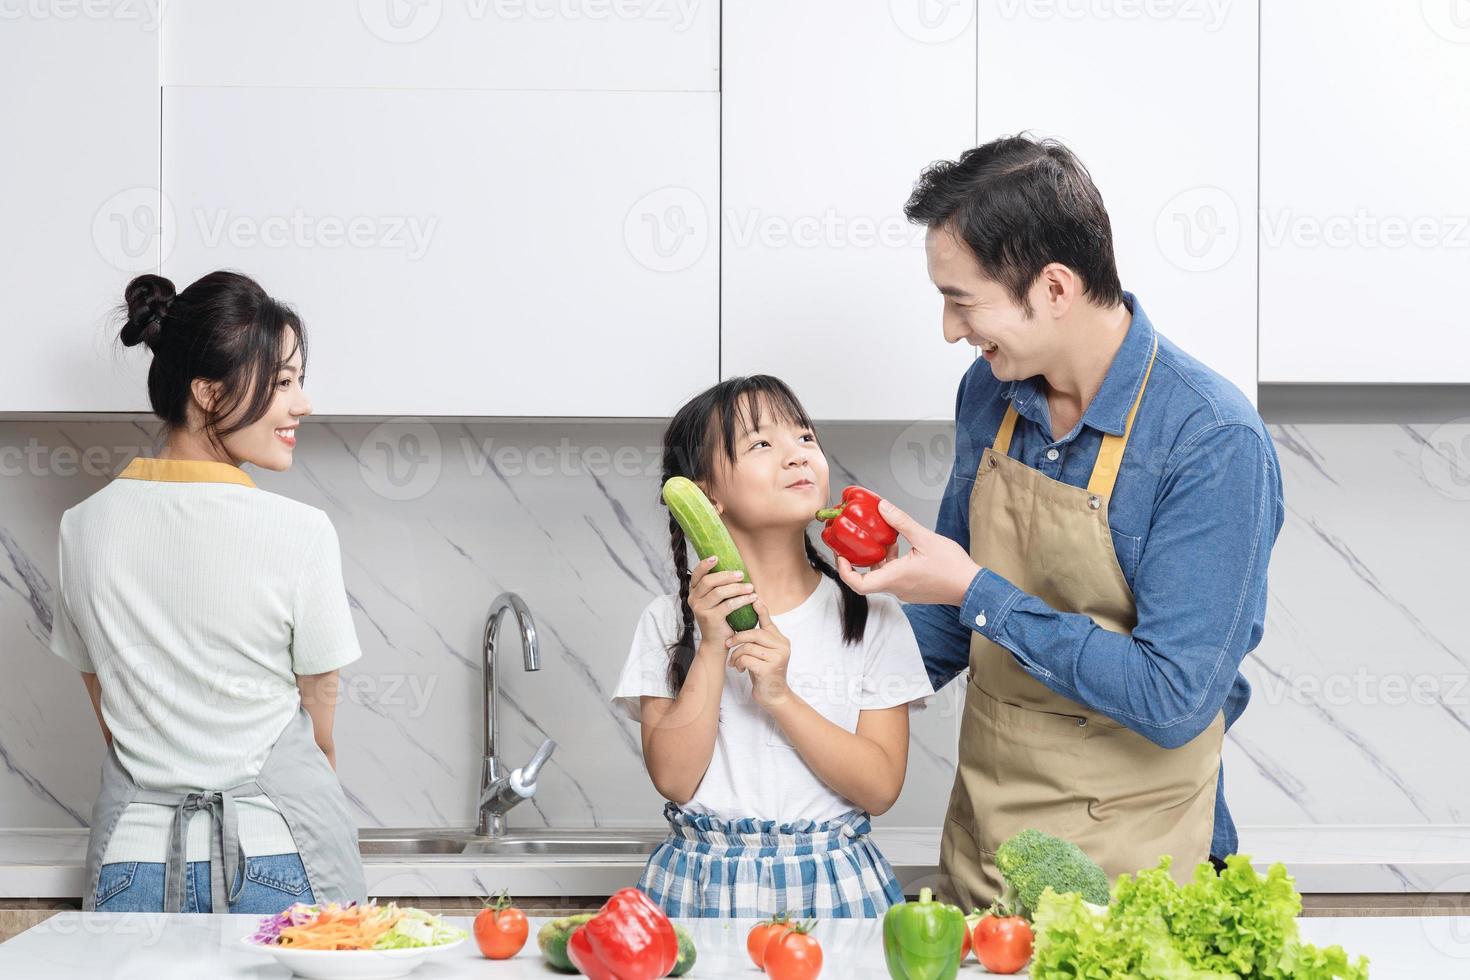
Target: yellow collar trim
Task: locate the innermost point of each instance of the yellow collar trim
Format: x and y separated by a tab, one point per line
184	471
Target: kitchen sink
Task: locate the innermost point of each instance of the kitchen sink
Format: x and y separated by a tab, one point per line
550	845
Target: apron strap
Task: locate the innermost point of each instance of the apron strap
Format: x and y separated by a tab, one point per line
1002	444
1110	455
224	843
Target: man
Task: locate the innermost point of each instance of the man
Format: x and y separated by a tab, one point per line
1101	549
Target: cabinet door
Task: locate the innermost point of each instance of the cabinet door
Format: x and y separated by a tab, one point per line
830	111
1365	229
626	45
79	201
1159	101
462	253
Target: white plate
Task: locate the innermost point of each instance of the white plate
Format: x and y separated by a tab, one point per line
350	964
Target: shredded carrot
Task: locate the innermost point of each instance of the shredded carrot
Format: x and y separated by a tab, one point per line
355	927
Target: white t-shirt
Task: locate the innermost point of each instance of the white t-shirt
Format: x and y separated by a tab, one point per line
755	771
196	598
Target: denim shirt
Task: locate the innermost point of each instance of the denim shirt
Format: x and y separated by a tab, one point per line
1194	514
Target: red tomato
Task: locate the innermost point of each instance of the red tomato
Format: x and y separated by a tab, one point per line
1003	943
970	921
501	929
760	936
794	955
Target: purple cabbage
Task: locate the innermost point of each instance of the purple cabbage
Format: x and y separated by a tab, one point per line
268	933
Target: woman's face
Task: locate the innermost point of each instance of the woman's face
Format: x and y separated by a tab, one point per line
779	478
270	441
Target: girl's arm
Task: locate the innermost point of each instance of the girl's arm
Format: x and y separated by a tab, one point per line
866	766
679	733
319	698
94	691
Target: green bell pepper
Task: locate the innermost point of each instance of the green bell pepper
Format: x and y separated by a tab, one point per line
922	940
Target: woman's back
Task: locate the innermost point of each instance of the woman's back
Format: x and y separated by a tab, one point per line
196	598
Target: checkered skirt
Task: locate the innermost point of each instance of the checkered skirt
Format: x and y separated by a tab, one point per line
710	867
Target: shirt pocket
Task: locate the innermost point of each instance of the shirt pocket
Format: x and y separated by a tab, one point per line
1127	547
775	737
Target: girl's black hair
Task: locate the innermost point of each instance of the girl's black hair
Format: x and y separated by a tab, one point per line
223	328
707	422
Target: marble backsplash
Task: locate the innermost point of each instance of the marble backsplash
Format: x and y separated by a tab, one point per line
1361	713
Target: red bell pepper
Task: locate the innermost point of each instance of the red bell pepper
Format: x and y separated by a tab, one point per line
630	938
855	530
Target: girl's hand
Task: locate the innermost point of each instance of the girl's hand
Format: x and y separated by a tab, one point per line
713	596
763	653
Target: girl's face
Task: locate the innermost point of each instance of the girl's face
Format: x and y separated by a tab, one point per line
270	441
779	477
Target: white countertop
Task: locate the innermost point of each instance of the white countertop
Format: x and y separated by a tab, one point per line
162	947
48	864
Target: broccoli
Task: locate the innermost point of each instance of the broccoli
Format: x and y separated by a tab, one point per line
1032	861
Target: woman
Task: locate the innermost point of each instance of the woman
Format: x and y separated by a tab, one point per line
209	621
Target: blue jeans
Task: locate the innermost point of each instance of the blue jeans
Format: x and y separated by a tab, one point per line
272	883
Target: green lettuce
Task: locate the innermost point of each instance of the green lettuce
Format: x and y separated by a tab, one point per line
415	928
1216	927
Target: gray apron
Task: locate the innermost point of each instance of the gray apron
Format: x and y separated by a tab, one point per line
296	778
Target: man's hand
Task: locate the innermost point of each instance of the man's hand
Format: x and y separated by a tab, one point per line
935	570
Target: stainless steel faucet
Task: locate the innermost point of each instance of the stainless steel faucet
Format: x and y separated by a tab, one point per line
498	793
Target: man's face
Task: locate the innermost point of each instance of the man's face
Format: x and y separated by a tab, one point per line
979	311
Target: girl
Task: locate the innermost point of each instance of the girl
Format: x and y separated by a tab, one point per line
774	745
209	620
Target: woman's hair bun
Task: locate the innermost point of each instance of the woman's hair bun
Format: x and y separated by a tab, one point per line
147	299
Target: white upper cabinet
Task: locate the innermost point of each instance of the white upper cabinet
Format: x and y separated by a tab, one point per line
1365	229
462	253
626	45
1159	101
79	201
830	111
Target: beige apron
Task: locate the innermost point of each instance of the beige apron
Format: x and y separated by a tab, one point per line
1032	758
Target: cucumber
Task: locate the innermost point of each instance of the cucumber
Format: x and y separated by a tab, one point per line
552	938
685	962
704	529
